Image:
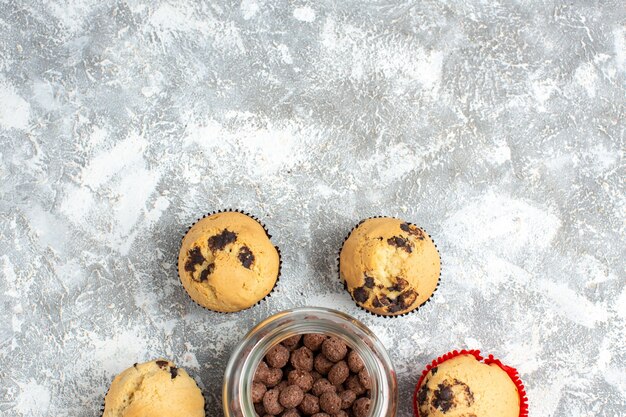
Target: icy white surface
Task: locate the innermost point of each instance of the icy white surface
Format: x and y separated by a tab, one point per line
497	126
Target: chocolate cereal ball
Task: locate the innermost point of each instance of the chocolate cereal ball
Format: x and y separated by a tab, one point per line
291	396
361	407
310	404
273	377
347	398
258	391
302	358
338	373
292	342
364	379
320	415
355	363
271	402
322	364
323	385
277	357
313	341
301	378
330	402
334	349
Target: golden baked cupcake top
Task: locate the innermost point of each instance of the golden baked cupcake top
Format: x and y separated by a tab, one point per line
227	262
157	389
389	266
463	386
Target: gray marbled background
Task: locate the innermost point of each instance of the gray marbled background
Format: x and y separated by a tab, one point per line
497	126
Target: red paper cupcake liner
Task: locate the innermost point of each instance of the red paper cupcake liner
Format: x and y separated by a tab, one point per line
391	316
511	372
269	236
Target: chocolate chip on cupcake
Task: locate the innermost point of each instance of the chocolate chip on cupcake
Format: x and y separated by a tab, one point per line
303	391
227	262
390	267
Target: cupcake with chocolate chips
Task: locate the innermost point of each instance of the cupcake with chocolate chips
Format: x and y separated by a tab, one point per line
156	388
390	267
463	384
227	262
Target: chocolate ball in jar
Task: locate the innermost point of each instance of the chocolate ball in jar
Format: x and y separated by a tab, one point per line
311	375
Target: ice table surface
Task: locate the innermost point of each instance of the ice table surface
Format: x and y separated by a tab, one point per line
497	127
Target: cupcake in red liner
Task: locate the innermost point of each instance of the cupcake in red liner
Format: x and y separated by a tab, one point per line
464	383
390	267
227	262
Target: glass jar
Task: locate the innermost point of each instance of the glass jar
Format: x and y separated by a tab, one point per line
236	393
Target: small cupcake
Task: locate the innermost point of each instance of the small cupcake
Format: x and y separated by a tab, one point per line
157	389
227	262
462	384
390	267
